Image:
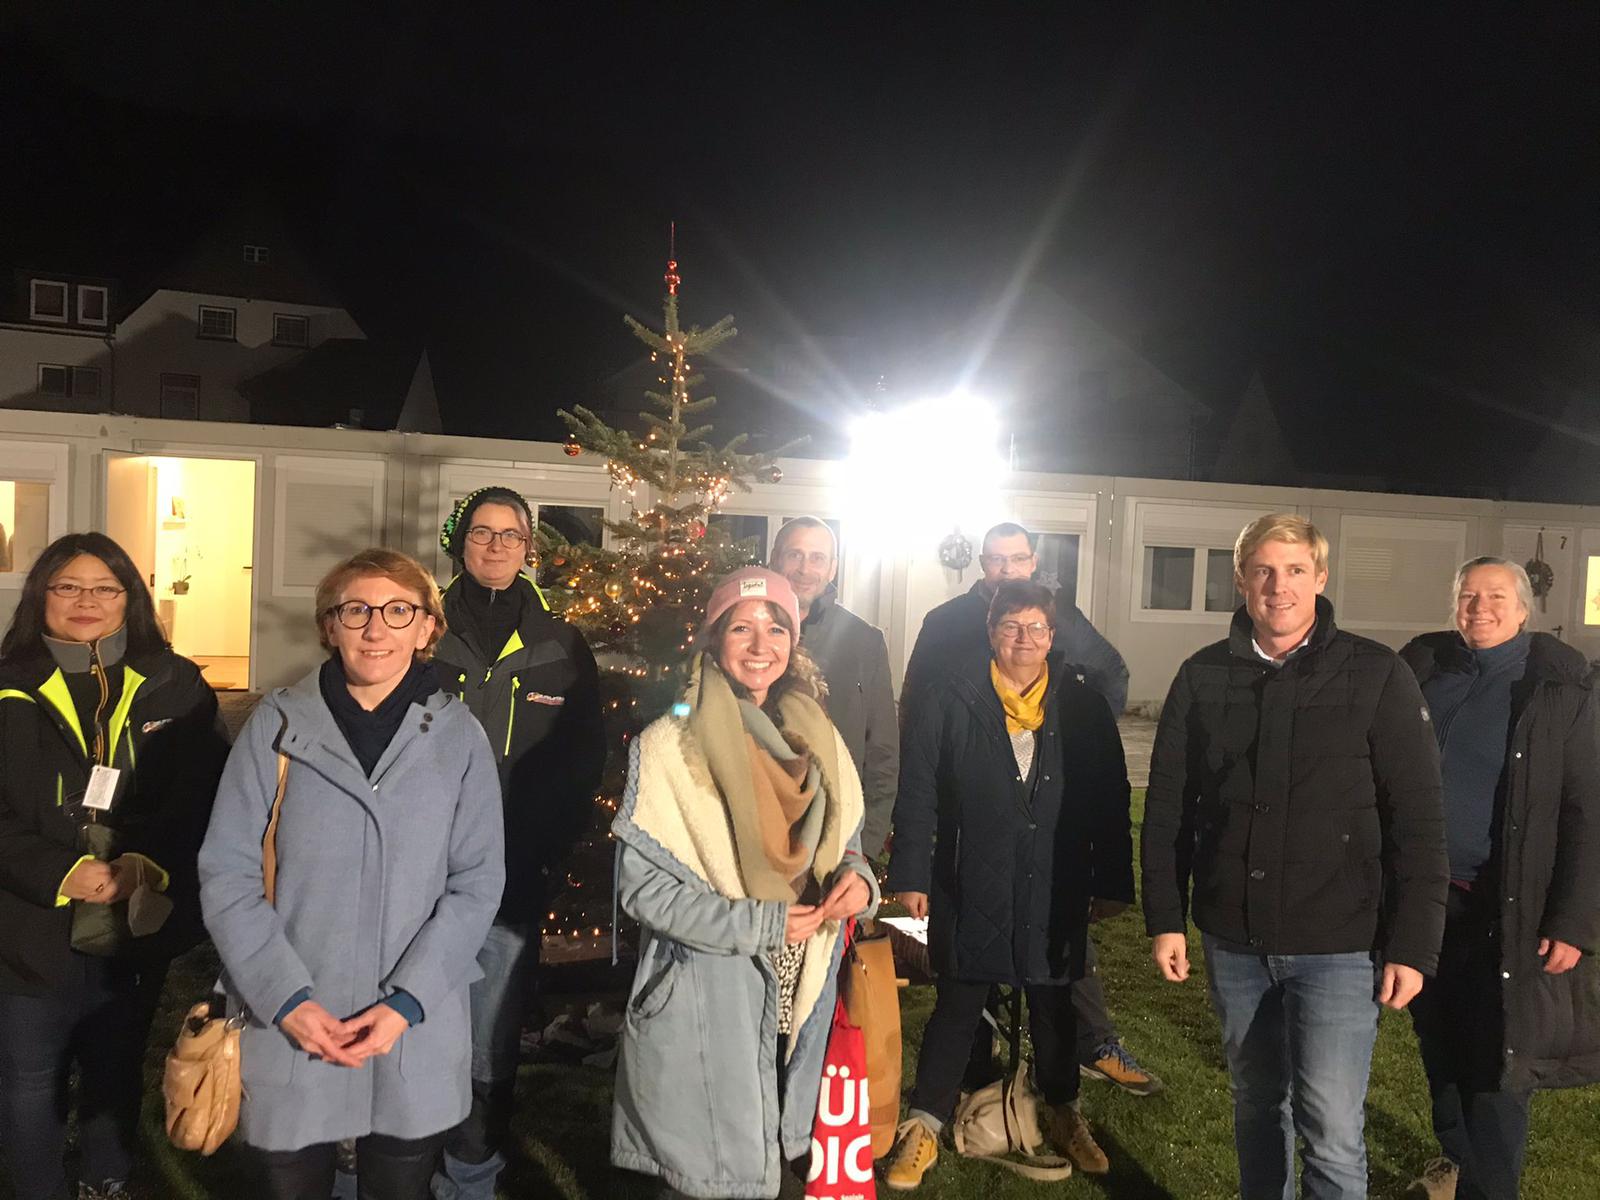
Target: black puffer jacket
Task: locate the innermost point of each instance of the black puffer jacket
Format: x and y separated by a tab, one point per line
1009	865
160	727
1303	799
1547	860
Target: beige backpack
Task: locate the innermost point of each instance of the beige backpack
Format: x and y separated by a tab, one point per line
1000	1123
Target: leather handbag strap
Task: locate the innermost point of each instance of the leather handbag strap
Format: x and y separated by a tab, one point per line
269	844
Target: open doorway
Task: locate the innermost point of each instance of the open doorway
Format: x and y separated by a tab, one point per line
189	525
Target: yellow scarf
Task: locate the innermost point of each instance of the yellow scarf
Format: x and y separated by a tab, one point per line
1024	711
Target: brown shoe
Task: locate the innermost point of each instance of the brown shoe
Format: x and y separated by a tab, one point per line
1069	1132
1438	1181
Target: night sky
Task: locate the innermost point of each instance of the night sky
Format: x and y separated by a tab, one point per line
1393	216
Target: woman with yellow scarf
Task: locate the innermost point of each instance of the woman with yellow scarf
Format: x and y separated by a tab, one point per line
1010	824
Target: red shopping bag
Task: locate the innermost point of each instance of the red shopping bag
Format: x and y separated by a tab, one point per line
841	1137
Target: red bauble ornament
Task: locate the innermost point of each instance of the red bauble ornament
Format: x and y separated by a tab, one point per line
698	529
572	449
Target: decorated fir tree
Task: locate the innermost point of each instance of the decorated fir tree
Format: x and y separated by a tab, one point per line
640	601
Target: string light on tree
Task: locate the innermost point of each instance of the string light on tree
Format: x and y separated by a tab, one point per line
640	599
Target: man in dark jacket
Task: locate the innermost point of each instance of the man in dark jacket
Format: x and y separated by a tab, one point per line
1295	778
1514	717
957	631
855	662
531	681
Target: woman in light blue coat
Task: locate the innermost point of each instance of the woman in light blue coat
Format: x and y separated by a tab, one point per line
390	865
740	857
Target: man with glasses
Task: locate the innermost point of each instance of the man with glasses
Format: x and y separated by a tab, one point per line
855	661
531	681
958	630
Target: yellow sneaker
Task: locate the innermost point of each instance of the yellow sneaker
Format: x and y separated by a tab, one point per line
916	1148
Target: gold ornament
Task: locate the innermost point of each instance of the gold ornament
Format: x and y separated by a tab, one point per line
613	589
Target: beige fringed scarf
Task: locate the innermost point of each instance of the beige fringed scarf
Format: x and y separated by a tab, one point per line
776	785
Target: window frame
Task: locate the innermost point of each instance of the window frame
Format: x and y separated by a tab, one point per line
105	305
173	380
70	374
1200	527
37	462
256	254
233	323
33	301
304	320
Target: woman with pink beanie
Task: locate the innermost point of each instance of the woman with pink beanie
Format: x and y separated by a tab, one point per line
739	855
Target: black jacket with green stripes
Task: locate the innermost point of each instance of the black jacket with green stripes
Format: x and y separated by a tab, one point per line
159	725
538	698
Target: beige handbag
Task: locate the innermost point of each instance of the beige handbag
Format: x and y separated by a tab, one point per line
1000	1123
201	1083
872	1002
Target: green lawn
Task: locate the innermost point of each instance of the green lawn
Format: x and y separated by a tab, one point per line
1175	1145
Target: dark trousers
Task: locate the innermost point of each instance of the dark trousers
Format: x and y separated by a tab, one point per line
1095	1027
97	1021
947	1044
1460	1030
387	1168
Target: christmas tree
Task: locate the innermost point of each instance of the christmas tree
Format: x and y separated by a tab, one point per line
640	601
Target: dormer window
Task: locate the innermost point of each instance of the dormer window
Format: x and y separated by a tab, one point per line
47	301
291	330
255	255
217	323
91	305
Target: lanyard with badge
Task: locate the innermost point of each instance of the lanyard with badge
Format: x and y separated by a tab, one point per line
148	909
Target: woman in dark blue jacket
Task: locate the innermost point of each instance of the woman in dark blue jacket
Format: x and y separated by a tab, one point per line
1012	817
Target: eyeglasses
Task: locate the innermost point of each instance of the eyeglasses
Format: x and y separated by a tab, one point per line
1037	630
1000	560
397	614
482	535
103	592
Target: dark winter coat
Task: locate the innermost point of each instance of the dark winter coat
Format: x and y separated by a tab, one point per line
1009	865
538	698
1303	800
162	730
1546	864
958	631
855	662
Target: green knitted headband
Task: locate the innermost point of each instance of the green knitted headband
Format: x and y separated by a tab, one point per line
447	532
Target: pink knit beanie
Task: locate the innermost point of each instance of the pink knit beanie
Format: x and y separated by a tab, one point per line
750	583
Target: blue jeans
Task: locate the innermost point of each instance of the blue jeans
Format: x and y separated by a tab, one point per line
1298	1031
475	1150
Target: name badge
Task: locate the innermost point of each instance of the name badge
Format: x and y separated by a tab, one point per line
102	787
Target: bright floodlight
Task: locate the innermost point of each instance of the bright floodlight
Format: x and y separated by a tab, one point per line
921	470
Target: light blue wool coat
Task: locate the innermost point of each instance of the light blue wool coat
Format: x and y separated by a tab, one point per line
697	1099
383	884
